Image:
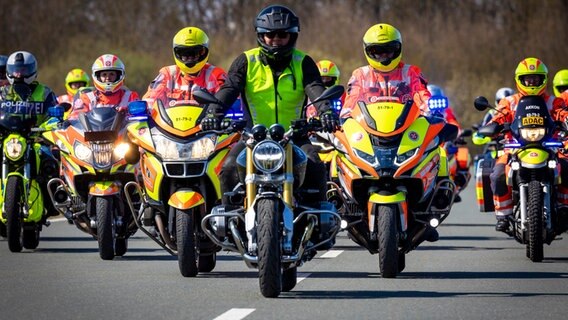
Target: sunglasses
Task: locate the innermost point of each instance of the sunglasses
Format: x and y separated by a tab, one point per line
280	34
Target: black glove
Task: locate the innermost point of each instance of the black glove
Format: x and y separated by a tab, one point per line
211	122
330	121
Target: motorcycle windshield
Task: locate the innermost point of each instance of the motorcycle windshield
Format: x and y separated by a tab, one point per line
16	121
387	118
178	118
532	116
98	121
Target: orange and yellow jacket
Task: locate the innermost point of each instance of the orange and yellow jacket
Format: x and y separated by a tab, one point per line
508	105
405	82
95	99
172	84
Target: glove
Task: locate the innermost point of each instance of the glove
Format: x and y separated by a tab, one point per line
330	121
211	122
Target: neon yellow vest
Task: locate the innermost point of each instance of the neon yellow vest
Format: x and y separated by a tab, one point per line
35	100
269	104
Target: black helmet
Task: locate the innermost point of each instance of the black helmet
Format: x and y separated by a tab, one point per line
277	18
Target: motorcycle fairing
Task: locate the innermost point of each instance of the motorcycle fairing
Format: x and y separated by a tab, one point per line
139	133
179	120
533	158
105	188
152	175
214	166
185	199
355	139
385	118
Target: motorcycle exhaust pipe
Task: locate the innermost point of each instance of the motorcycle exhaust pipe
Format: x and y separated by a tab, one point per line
60	196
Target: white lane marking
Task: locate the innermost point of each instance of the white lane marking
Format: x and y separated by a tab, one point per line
331	254
302	275
235	314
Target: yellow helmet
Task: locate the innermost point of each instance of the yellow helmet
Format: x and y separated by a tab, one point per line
328	69
560	82
191	49
76	75
528	67
383	47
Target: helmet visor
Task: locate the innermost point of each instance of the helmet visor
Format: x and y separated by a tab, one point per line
383	52
21	70
328	81
192	54
532	80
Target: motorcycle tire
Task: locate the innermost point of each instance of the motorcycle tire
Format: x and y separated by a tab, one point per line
30	238
105	227
187	243
12	207
289	279
207	262
268	238
120	247
388	240
534	215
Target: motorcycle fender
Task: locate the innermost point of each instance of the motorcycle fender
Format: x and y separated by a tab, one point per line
398	198
185	199
533	158
104	188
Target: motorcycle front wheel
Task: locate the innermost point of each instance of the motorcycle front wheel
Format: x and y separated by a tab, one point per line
268	238
12	207
535	250
187	243
105	227
388	240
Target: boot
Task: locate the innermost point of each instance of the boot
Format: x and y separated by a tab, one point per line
502	224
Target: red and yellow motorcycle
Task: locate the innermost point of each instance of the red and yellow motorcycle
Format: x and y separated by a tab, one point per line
180	167
393	186
96	162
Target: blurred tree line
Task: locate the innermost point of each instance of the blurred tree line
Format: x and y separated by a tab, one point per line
469	47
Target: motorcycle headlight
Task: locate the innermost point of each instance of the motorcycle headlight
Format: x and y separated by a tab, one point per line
14	149
120	150
82	152
532	134
268	156
401	158
199	149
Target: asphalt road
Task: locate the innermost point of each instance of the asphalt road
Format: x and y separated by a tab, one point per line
472	272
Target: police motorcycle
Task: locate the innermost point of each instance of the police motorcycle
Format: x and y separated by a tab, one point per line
390	194
96	161
266	224
27	163
534	173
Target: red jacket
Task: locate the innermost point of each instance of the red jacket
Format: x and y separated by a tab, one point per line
88	100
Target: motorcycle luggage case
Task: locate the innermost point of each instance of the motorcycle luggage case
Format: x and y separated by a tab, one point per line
483	184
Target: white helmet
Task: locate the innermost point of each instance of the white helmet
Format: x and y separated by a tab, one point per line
502	93
21	66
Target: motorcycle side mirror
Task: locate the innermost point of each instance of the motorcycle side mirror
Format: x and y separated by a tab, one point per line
481	103
204	97
331	93
466	133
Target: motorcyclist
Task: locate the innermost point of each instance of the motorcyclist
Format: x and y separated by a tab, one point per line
386	74
108	78
191	55
531	77
273	80
560	85
330	73
75	79
3	79
25	94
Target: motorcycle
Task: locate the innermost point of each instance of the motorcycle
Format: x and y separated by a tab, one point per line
266	224
534	174
389	194
26	164
96	161
180	179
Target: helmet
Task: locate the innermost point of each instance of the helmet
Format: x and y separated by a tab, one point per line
108	62
191	49
435	90
276	18
21	66
379	40
502	93
560	82
329	69
528	67
76	75
3	60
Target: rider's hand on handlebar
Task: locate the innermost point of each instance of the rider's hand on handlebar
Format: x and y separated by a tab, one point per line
211	122
330	121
